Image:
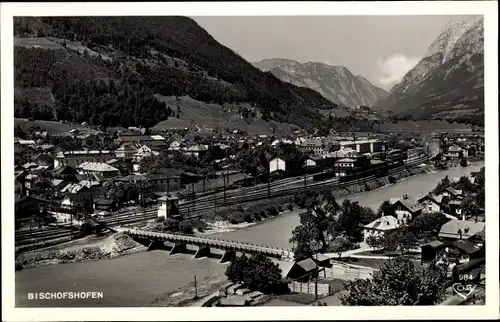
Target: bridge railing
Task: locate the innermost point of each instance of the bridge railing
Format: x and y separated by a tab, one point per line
212	240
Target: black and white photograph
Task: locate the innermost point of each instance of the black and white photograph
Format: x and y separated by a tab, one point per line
238	160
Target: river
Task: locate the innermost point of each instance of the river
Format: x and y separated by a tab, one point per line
137	279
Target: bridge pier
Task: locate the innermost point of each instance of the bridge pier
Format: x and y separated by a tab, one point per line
228	256
155	244
178	248
203	251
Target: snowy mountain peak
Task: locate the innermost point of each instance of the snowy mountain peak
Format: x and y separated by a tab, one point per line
449	80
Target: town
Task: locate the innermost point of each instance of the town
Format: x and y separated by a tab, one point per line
163	161
176	182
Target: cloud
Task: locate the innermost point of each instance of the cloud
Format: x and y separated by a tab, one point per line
393	69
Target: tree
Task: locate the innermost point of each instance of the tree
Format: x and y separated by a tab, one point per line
375	241
428	223
442	185
317	226
398	282
463	162
18	132
470	207
352	217
258	273
386	209
399	239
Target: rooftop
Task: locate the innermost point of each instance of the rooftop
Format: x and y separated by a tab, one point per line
467	227
97	166
383	223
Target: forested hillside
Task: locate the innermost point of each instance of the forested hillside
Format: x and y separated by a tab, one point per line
105	70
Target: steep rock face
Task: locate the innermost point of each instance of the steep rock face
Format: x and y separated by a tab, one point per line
335	83
449	80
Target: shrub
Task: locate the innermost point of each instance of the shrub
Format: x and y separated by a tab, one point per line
248	218
240	209
272	211
280	209
257	217
262	214
392	179
235	218
186	227
290	207
160	219
302	298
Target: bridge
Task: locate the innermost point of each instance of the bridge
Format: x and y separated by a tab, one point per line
157	240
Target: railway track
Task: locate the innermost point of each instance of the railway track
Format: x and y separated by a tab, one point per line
211	202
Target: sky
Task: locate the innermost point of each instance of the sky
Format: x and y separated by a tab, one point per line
380	48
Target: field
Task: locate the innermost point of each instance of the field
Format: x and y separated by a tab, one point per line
37	42
51	127
424	126
197	115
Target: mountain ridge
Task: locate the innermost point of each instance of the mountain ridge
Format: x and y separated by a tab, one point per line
152	55
335	83
448	81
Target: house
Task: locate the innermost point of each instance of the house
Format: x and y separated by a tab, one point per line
344	167
27	152
105	204
25	143
43	159
168	206
196	150
277	164
431	203
314	145
76	158
455	152
380	226
460	229
455	207
285	166
430	250
125	152
407	208
102	169
165	179
464	250
59	184
19	187
75	202
342	153
453	194
143	152
345	163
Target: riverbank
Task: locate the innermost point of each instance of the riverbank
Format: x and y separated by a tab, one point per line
88	248
187	295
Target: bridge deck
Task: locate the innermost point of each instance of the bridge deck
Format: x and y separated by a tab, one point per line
209	241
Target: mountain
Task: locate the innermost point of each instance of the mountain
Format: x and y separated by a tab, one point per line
449	81
110	70
335	83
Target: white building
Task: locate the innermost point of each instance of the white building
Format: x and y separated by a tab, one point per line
277	164
431	203
166	204
379	227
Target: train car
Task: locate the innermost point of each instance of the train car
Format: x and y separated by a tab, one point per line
324	176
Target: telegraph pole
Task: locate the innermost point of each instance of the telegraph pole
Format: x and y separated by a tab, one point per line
224	178
194	196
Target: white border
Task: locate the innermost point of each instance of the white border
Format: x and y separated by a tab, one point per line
487	8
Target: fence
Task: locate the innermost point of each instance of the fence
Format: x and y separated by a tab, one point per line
309	288
348	272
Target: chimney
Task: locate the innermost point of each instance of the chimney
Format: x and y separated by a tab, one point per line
459	232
